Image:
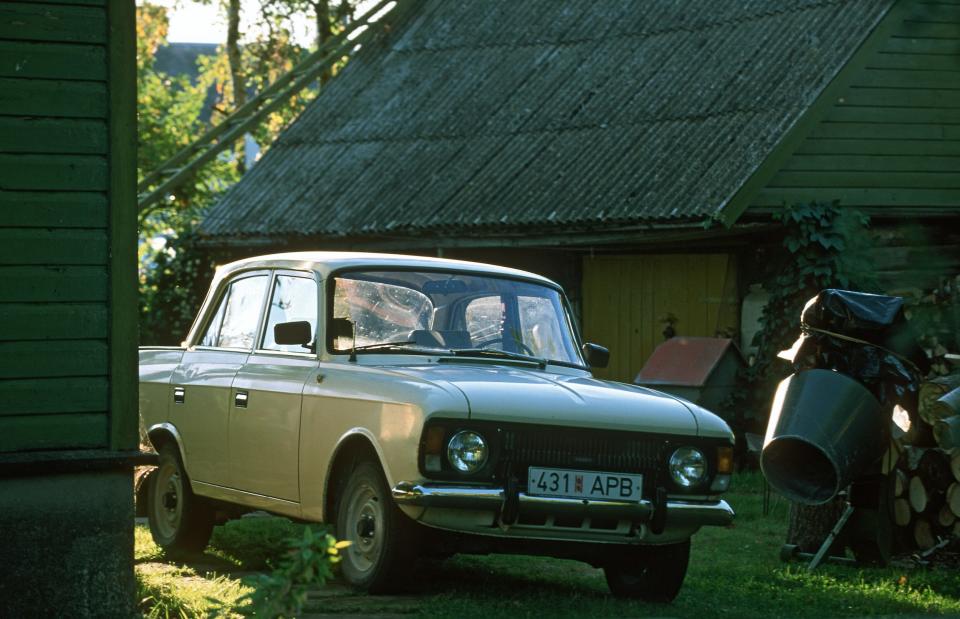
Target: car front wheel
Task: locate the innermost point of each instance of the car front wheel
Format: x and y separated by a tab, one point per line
650	573
179	522
382	545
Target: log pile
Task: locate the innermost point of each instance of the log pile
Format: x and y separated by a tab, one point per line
924	480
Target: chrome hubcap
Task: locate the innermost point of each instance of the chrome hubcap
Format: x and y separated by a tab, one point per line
364	516
168	509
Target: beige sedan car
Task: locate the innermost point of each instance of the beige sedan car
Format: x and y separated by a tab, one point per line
424	407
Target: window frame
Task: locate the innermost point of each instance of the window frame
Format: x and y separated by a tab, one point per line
221	295
328	283
261	331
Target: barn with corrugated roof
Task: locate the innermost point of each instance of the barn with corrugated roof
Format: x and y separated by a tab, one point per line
633	151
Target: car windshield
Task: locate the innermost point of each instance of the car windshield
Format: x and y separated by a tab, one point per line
448	311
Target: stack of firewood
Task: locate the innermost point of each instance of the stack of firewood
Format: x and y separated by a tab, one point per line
923	469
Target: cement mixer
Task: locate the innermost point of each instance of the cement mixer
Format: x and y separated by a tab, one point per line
855	364
830	421
825	430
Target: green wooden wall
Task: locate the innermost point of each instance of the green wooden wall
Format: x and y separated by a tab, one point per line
885	134
67	225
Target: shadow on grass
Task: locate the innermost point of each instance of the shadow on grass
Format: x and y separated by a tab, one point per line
512	575
536	587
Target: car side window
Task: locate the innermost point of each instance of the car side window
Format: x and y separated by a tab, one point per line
212	333
235	323
540	329
294	299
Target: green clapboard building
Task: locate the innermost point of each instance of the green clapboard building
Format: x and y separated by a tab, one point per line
68	365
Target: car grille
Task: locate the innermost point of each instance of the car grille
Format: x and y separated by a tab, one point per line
576	448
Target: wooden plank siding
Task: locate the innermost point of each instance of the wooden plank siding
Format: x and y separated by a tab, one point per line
885	136
625	298
56	140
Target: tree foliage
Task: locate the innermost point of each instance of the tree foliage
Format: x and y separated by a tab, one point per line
169	112
168	119
174	271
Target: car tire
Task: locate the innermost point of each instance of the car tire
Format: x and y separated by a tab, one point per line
180	522
650	573
382	539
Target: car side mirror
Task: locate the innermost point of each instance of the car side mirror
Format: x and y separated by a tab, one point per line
596	355
292	333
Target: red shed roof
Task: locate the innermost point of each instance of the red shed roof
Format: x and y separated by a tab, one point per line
685	361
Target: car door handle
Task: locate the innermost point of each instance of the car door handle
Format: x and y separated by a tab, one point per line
178	395
240	400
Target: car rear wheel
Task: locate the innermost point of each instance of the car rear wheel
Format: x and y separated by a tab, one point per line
650	573
180	522
382	539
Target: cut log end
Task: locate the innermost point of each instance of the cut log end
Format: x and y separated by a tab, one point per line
901	512
938	397
946	432
934	469
953	499
923	534
946	517
918	494
890	458
900	482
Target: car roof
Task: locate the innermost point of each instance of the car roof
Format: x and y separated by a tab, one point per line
326	262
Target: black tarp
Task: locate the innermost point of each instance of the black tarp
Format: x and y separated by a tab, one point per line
867	337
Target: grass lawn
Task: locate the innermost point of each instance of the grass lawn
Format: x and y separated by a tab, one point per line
734	572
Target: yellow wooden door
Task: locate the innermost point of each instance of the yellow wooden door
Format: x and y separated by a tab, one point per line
626	298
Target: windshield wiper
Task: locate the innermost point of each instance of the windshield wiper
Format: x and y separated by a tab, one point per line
403	346
411	346
499	354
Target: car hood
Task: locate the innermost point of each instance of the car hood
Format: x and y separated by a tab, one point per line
504	393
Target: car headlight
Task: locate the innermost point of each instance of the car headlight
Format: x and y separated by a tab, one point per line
688	466
467	451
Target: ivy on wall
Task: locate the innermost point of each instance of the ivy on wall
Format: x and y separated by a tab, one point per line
824	247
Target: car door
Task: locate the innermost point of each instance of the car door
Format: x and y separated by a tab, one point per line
201	383
268	392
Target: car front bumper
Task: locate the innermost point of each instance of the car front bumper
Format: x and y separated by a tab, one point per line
678	517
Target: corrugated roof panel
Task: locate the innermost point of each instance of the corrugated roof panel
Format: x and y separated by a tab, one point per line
473	115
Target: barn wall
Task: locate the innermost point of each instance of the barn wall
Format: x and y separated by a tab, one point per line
67	296
626	297
561	266
885	136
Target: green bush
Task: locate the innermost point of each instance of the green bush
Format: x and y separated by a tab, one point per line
283	592
256	543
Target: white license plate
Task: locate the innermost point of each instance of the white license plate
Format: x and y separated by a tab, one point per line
568	483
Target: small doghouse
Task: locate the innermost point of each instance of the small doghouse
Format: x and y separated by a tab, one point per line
700	369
